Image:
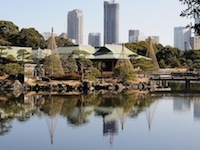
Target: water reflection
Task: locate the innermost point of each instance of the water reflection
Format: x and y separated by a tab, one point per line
76	109
134	117
150	112
181	105
197	109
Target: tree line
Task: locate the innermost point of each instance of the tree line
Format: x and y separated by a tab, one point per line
10	35
167	56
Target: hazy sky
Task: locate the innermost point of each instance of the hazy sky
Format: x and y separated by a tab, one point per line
151	17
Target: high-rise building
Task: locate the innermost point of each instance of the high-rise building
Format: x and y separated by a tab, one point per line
154	39
75	26
195	42
133	35
111	22
94	39
182	38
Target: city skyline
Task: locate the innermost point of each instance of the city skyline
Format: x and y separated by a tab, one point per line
157	18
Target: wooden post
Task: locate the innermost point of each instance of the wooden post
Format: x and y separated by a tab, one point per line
187	84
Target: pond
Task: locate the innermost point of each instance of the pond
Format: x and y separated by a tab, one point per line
100	121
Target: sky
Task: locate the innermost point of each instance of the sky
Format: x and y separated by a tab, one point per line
151	17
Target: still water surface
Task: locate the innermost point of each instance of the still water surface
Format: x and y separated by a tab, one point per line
100	122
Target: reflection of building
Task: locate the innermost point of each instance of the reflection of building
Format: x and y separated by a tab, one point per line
110	125
110	128
197	109
111	116
181	105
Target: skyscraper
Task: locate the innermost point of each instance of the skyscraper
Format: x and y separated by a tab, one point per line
111	22
195	42
75	26
182	38
94	39
154	39
133	35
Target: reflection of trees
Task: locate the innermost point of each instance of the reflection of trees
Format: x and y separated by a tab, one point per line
52	107
8	111
78	117
114	108
82	110
69	105
177	86
23	115
15	107
5	126
194	87
27	109
131	103
77	109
